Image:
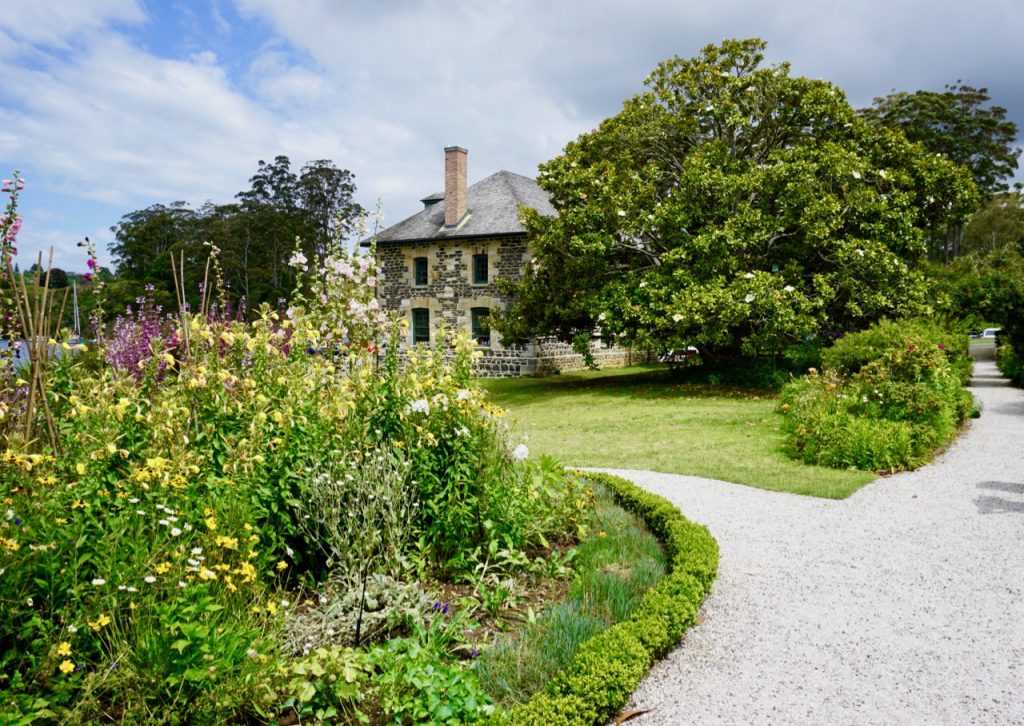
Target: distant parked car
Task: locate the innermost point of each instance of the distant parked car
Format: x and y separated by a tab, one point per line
990	332
679	355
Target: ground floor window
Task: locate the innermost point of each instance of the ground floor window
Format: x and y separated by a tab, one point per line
481	325
420	325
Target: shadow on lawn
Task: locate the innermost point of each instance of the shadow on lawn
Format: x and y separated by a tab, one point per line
655	382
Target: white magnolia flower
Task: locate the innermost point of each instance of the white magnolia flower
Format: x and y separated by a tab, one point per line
520	452
749	298
749	276
622	212
99	581
175	531
856	175
677	318
859	252
789	288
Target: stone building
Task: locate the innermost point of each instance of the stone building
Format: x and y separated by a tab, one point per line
442	264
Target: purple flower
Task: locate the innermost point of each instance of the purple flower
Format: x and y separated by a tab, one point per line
942	346
17	521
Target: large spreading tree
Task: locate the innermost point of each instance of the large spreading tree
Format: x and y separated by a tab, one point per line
734	207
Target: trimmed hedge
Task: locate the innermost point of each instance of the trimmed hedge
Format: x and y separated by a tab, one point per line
609	666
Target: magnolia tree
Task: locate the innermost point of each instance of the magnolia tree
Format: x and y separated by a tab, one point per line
733	207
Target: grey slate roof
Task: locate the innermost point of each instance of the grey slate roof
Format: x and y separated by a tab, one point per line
493	209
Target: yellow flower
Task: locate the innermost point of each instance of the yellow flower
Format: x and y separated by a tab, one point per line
281	566
80	468
211	523
247	571
205	574
67	667
61	520
272	608
163	568
99	623
64	648
228	543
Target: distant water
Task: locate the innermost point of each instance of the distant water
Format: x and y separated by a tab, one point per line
23	356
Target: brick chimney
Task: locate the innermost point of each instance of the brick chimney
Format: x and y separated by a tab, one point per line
454	185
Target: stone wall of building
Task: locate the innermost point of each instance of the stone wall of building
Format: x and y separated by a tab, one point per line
556	357
450	295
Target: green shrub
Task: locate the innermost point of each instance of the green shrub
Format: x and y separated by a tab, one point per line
889	397
909	349
1010	363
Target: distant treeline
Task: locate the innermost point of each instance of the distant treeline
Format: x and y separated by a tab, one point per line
255	236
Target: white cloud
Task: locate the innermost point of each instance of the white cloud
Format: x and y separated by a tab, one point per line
97	107
57	23
119	124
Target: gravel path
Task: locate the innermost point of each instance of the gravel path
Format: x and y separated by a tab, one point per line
903	604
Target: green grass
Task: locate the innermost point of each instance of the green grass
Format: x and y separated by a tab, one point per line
615	566
641	418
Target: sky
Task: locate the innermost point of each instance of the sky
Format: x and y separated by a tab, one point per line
110	106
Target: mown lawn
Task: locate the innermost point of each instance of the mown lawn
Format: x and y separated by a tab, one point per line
640	418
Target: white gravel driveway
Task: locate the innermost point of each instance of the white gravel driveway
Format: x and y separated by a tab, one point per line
903	604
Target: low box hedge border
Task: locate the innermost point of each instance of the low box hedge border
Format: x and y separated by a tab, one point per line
607	668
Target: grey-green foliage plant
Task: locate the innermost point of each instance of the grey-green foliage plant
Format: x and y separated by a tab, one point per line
358	508
734	207
387	605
